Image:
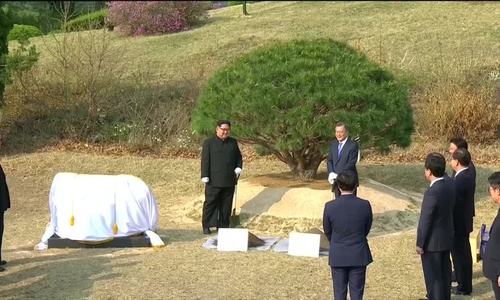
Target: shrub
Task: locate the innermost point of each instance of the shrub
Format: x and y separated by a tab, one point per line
93	20
449	109
288	97
20	32
155	17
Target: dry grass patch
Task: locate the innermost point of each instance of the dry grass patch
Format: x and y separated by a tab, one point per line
182	269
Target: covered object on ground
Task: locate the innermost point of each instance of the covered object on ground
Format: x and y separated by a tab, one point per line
99	208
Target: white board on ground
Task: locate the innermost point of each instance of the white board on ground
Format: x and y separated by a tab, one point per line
232	239
303	244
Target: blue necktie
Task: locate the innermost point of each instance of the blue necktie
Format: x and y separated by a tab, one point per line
339	150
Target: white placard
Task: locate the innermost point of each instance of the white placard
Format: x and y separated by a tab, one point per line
232	239
304	244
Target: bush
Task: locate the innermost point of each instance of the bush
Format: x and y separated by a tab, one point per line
93	20
155	17
20	32
288	97
449	109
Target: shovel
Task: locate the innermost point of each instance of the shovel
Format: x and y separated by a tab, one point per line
234	219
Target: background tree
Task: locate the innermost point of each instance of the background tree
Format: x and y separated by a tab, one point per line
5	26
288	97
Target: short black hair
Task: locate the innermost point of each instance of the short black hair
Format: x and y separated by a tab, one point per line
463	156
221	122
436	163
346	180
494	180
460	142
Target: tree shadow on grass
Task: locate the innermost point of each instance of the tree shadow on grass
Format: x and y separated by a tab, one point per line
482	288
67	276
174	235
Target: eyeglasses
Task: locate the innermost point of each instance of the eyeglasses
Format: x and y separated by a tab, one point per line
225	129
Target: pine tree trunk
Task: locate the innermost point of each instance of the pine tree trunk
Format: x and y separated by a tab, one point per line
245	12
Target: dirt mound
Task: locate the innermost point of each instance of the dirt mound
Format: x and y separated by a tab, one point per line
280	205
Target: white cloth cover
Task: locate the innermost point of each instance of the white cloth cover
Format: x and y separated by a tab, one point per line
97	203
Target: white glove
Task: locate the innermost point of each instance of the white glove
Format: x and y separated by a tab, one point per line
205	179
237	171
331	177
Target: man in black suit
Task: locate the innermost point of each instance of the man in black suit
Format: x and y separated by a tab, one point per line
4	205
463	183
221	163
491	259
435	228
456	143
342	155
347	220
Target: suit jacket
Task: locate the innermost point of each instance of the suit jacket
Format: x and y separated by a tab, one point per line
219	159
472	170
346	161
491	260
4	192
463	184
435	227
346	223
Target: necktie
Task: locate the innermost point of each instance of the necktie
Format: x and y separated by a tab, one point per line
339	150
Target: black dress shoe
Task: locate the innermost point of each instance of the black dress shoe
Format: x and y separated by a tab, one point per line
3	262
456	291
2	269
206	231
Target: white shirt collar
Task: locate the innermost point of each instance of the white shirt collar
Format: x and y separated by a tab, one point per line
458	172
343	141
437	179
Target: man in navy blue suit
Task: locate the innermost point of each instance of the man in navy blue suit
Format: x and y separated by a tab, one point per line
435	229
463	183
342	156
347	220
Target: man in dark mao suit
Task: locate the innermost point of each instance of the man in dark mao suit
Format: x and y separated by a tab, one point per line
435	229
342	155
491	260
4	205
463	183
347	220
221	163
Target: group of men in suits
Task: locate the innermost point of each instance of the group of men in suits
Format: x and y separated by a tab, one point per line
446	220
445	223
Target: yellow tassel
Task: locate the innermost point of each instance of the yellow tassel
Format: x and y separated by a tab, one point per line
115	229
72	220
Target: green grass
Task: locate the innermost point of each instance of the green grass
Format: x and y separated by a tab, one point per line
410	177
420	38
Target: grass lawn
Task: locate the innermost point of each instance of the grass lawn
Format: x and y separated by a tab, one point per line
422	38
183	269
